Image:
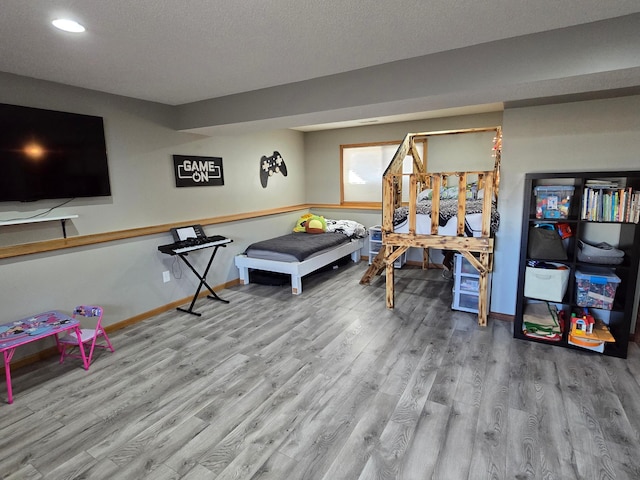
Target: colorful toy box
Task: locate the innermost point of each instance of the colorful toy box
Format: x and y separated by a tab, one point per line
596	287
553	201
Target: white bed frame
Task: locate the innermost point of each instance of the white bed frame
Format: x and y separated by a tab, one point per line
297	270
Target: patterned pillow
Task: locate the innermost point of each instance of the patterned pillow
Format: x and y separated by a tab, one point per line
426	194
449	192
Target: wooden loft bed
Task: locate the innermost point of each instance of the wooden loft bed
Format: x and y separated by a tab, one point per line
478	250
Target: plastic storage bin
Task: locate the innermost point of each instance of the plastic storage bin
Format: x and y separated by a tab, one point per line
545	283
469	284
466	287
596	287
466	267
465	302
553	201
375	244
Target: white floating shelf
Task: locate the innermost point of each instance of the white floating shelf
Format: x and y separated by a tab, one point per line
62	219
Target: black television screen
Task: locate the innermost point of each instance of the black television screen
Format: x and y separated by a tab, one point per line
46	154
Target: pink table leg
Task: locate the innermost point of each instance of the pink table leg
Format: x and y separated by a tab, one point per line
8	355
81	347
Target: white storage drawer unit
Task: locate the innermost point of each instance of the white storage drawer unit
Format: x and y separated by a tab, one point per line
466	286
375	244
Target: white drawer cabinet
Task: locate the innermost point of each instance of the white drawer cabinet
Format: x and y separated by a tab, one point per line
375	244
466	285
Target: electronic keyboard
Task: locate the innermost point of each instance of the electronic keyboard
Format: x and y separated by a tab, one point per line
190	244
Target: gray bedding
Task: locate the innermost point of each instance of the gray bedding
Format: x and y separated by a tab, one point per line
295	246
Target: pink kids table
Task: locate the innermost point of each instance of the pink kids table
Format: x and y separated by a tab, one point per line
32	329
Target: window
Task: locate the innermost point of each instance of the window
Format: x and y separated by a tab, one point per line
362	167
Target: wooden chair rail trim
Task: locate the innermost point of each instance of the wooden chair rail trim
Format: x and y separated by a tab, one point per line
350	205
83	240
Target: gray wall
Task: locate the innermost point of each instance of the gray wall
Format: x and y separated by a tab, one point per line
446	153
322	149
126	276
581	136
140	146
593	135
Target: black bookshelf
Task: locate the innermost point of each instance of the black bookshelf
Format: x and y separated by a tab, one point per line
592	227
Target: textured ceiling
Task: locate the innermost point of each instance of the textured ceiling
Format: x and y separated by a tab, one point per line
177	52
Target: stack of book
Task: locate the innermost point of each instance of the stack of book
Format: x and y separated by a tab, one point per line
607	201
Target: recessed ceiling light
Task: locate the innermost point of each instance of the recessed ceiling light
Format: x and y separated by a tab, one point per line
68	25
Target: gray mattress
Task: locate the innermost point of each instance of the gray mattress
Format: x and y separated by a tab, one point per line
295	247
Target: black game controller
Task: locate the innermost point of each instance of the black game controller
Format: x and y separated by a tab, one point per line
271	165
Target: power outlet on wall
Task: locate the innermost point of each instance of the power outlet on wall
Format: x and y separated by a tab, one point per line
166	276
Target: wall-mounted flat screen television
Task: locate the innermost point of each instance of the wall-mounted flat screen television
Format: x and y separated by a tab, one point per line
45	154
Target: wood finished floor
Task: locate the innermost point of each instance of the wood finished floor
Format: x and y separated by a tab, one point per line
328	385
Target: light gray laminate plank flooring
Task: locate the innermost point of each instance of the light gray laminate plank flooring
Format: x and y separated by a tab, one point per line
328	385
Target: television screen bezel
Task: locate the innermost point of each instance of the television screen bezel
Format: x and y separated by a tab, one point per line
38	122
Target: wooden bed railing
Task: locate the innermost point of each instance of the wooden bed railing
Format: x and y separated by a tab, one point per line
485	182
477	250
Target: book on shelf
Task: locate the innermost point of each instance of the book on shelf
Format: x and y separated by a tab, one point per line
635	208
607	184
600	204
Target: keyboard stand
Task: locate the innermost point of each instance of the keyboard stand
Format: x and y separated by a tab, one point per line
203	281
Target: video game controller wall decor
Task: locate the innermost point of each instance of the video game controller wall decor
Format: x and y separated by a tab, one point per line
271	165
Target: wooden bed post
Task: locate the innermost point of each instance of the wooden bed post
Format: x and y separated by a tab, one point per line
497	155
390	281
425	258
413	193
483	293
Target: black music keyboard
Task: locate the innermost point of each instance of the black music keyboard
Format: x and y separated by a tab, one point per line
190	244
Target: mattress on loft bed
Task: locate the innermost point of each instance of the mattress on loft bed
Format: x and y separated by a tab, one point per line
448	221
296	247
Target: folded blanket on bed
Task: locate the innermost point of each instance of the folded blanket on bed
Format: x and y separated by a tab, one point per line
300	245
448	210
350	228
